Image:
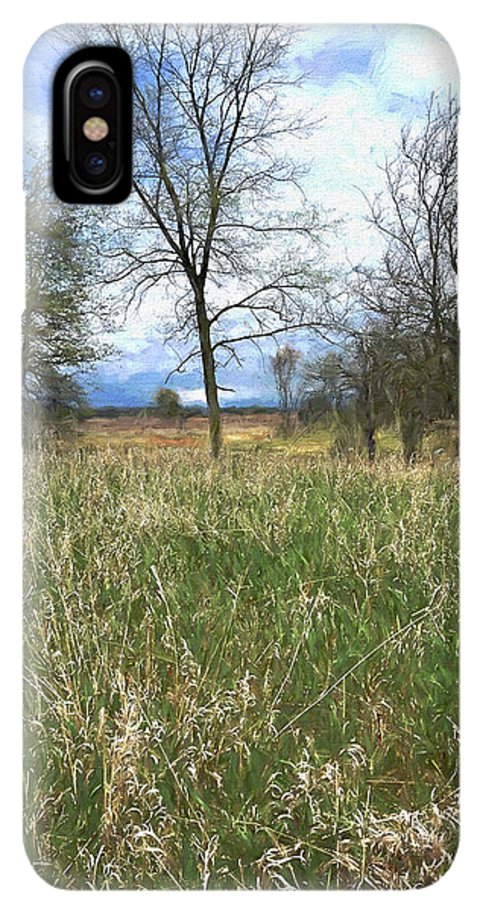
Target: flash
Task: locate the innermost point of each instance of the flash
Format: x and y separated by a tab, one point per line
95	129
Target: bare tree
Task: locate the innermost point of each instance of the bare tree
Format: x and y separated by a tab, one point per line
327	383
285	367
416	214
221	225
414	289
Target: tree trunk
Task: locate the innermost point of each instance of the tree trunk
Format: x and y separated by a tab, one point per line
369	418
412	428
371	443
209	379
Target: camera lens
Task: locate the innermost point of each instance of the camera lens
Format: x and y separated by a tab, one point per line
95	91
95	163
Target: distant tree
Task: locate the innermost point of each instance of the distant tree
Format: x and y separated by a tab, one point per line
327	383
372	403
314	406
167	403
352	382
62	318
285	367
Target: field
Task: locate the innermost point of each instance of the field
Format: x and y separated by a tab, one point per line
260	431
238	675
152	431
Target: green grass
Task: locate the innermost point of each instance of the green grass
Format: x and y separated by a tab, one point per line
184	621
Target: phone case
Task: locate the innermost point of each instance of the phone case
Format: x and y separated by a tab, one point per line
240	436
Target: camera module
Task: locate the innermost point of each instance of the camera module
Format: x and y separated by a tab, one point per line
92	126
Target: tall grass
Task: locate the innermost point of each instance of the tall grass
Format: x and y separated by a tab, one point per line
239	676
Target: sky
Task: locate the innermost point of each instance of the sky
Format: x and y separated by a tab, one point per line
366	82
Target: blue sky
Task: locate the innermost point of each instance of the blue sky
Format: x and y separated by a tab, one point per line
367	81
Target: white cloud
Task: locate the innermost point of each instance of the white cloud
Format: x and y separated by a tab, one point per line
417	61
195	396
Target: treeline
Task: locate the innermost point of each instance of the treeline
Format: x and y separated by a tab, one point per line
368	387
395	354
158	411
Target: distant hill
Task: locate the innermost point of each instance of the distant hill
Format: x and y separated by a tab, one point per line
136	390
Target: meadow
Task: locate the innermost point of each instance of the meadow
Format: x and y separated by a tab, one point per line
240	674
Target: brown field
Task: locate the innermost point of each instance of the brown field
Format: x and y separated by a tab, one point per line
255	430
140	429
